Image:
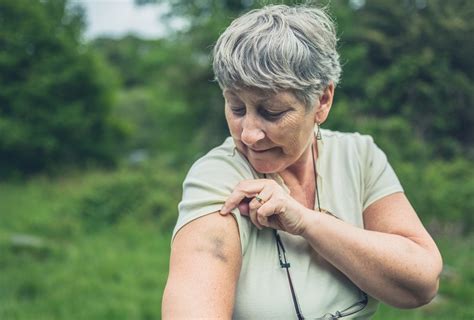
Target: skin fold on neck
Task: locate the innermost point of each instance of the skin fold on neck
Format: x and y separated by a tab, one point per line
300	178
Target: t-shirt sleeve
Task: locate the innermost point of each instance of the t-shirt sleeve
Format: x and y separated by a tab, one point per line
379	178
207	185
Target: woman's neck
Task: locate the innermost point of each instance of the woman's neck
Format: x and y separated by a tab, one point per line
300	178
302	172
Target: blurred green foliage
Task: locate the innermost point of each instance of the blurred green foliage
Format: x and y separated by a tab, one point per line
56	95
412	59
144	196
89	246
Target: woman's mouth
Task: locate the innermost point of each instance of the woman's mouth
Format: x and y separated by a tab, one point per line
259	150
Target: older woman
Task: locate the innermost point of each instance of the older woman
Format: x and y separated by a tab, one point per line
285	219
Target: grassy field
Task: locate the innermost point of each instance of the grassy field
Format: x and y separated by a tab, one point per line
96	246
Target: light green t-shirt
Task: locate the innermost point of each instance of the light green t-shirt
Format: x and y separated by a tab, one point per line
352	174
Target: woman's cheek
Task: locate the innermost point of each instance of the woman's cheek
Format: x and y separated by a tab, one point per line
234	127
232	123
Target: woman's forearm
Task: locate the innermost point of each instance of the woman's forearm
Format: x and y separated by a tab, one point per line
392	268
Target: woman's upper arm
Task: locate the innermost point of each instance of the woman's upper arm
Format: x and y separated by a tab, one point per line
204	268
394	214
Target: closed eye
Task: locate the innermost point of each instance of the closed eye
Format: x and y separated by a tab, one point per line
272	116
238	111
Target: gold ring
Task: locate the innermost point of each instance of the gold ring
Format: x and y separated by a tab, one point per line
260	200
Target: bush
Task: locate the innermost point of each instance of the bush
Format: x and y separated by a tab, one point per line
441	192
55	94
143	195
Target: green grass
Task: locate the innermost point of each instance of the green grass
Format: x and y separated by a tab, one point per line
114	275
98	249
79	265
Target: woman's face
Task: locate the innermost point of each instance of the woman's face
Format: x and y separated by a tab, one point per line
271	130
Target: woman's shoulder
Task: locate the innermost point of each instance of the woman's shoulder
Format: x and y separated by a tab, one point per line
225	150
339	136
347	141
352	150
223	160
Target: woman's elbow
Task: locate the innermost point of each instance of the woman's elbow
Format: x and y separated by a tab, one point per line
415	297
426	291
427	295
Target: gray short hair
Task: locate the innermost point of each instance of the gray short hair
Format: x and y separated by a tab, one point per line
278	48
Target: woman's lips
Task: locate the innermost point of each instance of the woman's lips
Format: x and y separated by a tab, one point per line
260	150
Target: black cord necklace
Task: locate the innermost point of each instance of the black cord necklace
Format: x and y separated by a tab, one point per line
286	265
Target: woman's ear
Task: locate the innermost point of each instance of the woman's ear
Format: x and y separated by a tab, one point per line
324	104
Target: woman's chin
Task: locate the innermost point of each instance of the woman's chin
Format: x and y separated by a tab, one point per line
262	166
267	161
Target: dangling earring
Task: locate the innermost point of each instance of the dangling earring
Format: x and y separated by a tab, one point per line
318	133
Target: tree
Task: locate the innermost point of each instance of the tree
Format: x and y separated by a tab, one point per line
55	94
406	66
412	60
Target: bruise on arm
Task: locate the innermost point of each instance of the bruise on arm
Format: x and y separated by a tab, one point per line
205	265
214	245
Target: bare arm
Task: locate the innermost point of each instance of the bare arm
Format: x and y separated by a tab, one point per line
204	269
394	259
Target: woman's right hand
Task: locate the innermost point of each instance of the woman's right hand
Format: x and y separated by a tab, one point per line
268	205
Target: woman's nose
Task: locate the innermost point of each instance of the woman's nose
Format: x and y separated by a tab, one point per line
251	130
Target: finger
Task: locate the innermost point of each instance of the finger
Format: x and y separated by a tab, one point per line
253	206
243	207
271	208
245	188
237	198
262	198
268	214
262	220
264	195
258	201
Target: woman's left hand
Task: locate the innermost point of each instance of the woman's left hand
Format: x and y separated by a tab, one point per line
267	205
